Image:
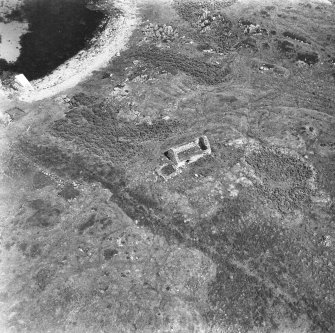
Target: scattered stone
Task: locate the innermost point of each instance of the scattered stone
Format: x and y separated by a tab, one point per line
251	28
301	64
309	131
274	69
206	19
120	91
208	51
165	33
327	240
63	99
266	67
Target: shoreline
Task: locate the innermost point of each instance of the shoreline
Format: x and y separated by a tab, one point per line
108	43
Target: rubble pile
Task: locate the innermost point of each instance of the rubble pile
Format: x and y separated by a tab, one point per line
274	69
165	33
120	91
251	28
64	100
206	19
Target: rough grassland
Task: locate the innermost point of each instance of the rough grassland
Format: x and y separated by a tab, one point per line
240	241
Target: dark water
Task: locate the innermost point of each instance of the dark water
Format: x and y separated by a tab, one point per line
58	29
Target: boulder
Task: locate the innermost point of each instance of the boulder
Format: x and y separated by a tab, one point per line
22	82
